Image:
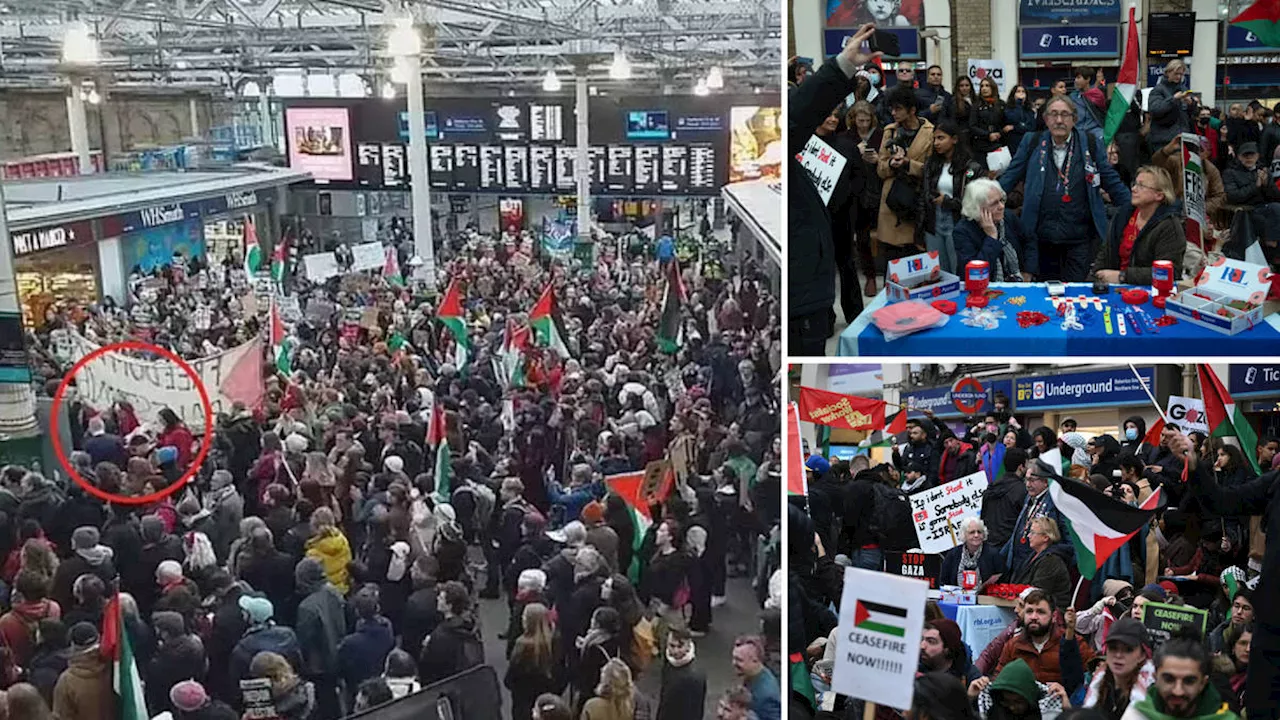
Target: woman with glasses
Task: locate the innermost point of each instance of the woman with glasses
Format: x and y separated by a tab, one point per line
1146	231
1044	569
987	232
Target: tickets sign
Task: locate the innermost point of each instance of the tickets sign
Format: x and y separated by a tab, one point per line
937	512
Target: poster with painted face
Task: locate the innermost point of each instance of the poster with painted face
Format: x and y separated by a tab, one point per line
884	13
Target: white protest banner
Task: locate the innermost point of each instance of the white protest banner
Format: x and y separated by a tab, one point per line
878	637
1193	188
367	256
823	165
290	310
985	68
152	385
321	266
1188	413
937	512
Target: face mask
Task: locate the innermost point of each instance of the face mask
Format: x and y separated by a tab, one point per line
991	428
874	78
1131	433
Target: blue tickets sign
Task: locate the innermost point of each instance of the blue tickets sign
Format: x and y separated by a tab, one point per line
1246	380
1054	12
1071	41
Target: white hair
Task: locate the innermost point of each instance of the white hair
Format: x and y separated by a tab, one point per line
973	520
976	196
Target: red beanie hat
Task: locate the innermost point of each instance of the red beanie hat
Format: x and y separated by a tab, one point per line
952	640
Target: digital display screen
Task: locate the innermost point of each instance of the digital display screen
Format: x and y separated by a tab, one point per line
433	125
647	125
320	142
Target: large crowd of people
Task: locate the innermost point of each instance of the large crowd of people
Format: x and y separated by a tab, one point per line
332	551
1073	643
1064	204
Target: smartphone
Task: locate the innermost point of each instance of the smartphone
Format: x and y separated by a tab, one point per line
885	42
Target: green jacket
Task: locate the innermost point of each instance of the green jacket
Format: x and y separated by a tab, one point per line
1210	707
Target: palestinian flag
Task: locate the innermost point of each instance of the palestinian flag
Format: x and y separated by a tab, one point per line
391	268
117	646
450	314
542	318
1152	438
898	425
436	430
628	486
797	483
671	323
880	618
1098	525
281	345
1226	419
252	250
515	342
801	680
1126	84
278	260
444	472
1263	20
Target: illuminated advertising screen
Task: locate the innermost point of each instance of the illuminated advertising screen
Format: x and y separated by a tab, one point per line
755	143
320	142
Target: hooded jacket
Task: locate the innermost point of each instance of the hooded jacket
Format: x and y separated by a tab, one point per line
18	627
322	622
1016	677
330	547
96	561
259	638
362	653
960	464
1107	463
1209	707
1002	502
84	690
1135	447
446	651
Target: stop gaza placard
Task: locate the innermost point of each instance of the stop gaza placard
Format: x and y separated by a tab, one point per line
878	637
1188	413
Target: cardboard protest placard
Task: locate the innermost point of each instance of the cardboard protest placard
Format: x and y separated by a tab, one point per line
1163	620
937	512
878	637
655	486
256	696
921	566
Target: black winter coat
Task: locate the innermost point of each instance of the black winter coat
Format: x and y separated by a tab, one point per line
1001	504
811	266
684	692
990	563
420	618
1241	185
963	169
181	659
444	655
1162	238
987	118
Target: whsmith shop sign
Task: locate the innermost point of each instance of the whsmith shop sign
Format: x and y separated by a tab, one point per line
1055	12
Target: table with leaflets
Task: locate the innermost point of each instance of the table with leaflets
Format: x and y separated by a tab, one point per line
862	337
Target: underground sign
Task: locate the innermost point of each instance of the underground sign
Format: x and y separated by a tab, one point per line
968	395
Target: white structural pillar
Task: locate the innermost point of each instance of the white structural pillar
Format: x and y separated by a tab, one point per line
1204	72
582	99
79	126
17	400
1004	40
264	118
807	30
423	245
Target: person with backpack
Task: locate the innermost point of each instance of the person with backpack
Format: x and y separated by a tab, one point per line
1064	172
592	650
907	143
30	607
684	684
321	624
455	645
506	535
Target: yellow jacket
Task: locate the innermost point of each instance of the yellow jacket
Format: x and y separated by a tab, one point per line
330	547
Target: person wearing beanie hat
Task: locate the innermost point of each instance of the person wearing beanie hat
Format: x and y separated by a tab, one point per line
599	535
190	701
1117	595
261	635
943	650
321	623
90	558
1127	673
84	688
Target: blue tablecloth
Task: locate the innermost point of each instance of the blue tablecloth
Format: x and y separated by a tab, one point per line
979	624
1050	340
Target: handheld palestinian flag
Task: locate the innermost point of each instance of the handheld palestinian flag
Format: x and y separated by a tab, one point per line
117	646
1098	524
1263	20
542	318
797	482
628	487
436	430
252	250
801	680
278	260
1226	418
671	323
515	342
391	268
281	345
450	314
1126	84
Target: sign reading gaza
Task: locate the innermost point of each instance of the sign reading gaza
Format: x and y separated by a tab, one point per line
1053	12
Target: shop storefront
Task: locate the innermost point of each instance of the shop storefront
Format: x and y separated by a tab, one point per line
224	229
1098	400
1257	389
54	263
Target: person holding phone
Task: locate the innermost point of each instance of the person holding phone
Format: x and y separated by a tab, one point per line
811	265
1167	106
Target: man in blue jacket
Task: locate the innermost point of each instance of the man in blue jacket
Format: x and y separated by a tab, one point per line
1064	172
1039	503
